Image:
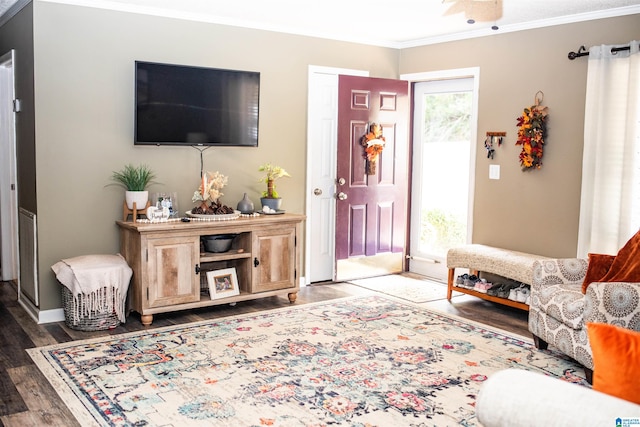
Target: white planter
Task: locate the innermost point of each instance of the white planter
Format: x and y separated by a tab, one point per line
139	197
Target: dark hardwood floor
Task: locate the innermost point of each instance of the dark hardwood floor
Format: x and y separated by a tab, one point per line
27	399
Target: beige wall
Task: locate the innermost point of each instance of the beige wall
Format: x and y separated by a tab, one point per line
84	120
84	98
534	211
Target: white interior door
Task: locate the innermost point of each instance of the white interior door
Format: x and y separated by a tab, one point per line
8	193
322	146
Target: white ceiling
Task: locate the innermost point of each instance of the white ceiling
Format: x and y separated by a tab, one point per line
390	23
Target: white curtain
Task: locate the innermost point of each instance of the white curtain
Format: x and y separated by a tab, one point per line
610	198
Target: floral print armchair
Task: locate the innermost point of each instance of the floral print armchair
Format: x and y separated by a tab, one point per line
559	310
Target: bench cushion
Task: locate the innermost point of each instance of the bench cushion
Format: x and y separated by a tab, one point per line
503	262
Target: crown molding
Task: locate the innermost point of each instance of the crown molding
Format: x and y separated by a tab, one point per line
482	32
570	19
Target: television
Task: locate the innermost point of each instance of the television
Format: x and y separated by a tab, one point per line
196	106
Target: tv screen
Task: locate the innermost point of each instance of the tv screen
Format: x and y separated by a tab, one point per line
184	105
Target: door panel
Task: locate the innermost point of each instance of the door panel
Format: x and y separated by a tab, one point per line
358	227
371	219
171	266
275	253
356	167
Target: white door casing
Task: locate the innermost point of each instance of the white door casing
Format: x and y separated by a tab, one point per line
9	258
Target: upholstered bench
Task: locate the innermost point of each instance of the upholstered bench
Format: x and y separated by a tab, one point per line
517	266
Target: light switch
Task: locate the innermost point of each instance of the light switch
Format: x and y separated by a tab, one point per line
494	171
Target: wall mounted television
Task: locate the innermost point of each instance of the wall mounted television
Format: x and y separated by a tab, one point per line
196	106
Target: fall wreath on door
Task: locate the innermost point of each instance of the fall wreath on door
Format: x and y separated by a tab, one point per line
373	143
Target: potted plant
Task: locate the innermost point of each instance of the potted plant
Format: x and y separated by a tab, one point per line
270	196
135	179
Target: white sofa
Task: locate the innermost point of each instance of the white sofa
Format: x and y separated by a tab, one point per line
519	398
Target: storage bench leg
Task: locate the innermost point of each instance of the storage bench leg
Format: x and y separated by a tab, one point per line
450	278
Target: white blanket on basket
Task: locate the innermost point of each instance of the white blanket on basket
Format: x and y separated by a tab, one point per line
98	283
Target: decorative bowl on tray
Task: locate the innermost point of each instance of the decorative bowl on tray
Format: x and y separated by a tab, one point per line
233	215
213	212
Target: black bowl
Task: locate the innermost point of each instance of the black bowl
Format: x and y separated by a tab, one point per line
218	243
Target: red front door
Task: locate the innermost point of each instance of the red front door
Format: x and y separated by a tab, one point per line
371	210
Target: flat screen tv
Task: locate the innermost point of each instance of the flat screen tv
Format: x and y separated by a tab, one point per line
185	105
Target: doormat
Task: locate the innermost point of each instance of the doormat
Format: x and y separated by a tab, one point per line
406	288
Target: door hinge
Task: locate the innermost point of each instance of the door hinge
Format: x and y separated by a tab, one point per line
146	256
295	273
147	294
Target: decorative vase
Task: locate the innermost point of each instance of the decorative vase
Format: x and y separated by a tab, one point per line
139	197
245	205
271	202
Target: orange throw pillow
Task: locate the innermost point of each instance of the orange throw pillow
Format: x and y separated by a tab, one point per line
616	360
626	266
599	265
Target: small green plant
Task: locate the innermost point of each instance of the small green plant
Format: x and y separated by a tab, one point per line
134	178
272	173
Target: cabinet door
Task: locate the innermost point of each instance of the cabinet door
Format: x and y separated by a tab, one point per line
274	252
171	265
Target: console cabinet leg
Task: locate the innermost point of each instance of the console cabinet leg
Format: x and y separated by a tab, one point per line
146	319
293	296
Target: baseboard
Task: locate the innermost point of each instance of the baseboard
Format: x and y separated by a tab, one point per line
50	316
41	316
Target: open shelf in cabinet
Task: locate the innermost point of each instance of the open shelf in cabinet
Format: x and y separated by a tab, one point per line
241	265
231	254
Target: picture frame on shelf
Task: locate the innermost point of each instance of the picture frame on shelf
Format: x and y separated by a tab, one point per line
223	283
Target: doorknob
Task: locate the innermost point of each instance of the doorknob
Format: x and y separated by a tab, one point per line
342	196
341	181
317	191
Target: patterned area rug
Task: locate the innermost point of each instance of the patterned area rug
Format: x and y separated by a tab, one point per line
406	288
358	361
